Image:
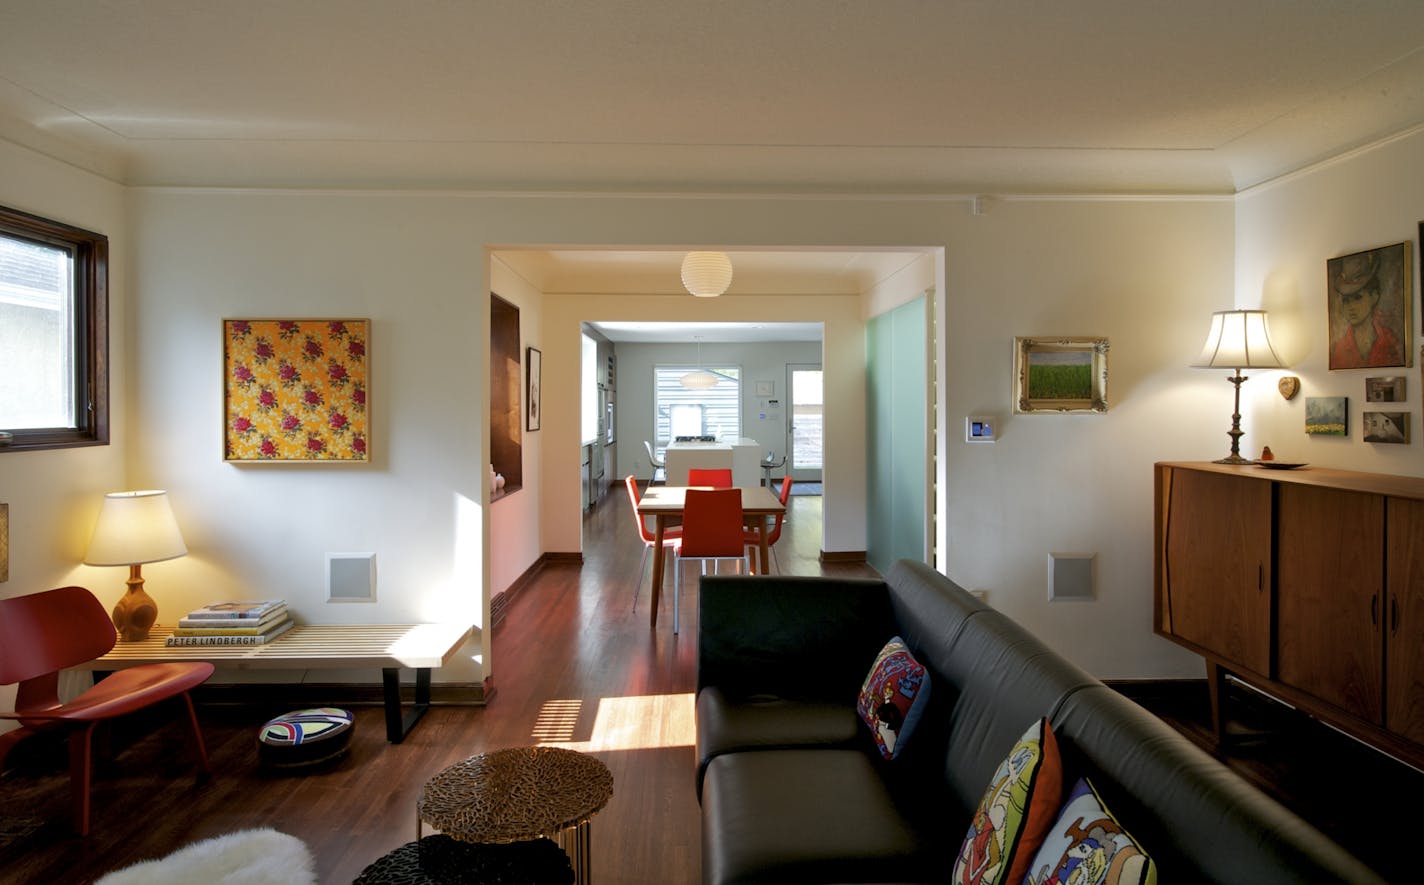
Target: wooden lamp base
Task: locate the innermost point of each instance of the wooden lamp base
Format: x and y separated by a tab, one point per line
135	612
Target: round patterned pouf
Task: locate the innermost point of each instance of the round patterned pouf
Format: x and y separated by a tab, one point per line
437	860
305	737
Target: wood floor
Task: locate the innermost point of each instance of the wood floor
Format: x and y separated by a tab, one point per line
575	666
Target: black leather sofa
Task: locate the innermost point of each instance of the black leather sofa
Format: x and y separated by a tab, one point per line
793	790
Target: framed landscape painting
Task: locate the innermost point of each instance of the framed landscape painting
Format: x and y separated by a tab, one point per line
1327	415
296	390
1060	375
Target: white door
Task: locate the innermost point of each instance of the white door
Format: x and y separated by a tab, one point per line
804	432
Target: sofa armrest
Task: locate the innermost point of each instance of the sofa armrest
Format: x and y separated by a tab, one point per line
795	637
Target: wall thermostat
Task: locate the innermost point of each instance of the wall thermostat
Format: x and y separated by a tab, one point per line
980	428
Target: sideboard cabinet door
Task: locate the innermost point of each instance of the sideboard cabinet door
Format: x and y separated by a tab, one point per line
1330	552
1404	636
1216	561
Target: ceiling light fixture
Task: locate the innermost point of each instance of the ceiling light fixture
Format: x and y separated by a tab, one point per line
706	274
700	379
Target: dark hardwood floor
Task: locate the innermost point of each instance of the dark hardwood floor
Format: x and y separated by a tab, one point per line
575	666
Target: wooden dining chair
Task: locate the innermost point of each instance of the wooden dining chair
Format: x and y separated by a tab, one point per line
717	477
646	535
712	531
774	529
43	633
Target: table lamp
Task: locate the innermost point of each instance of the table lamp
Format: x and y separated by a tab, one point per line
1238	340
134	528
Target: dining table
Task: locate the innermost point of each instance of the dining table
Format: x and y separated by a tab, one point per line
665	503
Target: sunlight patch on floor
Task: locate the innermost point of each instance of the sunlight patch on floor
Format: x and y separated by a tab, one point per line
643	722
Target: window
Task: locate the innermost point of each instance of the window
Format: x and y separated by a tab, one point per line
682	411
54	333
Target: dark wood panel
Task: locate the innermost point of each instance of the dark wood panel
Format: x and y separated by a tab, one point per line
1411	487
1216	565
1330	565
1404	636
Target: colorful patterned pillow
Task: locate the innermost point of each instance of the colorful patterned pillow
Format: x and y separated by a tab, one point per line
1021	803
1086	846
893	697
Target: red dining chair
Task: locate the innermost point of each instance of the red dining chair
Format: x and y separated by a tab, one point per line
648	537
712	531
43	633
774	534
717	478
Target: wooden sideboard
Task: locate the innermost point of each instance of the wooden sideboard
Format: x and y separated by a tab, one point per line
1307	584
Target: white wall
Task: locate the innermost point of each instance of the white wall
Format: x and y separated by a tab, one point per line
763	361
1285	233
1145	273
54	495
417	270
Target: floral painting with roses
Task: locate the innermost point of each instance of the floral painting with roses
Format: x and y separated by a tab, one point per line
295	390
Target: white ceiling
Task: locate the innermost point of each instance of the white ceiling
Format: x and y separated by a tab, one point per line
894	96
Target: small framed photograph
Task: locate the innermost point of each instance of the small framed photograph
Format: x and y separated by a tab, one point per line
1327	415
1058	375
1386	427
1385	390
1370	308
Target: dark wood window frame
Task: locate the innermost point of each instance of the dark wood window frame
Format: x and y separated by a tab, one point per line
91	331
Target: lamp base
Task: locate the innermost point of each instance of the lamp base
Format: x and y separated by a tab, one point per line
1233	459
135	612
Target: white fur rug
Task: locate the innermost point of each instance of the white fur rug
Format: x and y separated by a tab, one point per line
246	857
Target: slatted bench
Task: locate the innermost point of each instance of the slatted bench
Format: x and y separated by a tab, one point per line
421	647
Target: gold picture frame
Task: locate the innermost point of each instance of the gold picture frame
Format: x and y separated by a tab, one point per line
1060	375
296	391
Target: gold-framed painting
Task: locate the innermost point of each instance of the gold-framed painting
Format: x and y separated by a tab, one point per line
296	390
1059	375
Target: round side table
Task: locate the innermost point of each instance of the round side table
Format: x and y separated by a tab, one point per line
519	794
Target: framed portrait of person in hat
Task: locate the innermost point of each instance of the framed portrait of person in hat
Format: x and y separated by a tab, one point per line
1370	308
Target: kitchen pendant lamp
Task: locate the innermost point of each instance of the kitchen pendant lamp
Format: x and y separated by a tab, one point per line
706	274
700	379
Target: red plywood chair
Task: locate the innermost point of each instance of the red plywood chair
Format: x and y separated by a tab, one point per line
712	531
646	535
774	534
713	477
43	633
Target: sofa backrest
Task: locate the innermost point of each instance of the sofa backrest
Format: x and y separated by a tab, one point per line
1193	815
838	626
990	679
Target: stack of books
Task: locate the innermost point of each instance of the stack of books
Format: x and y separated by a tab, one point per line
233	623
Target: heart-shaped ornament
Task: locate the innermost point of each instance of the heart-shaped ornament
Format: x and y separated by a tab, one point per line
1289	386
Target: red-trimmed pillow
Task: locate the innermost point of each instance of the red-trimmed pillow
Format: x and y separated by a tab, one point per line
893	697
1012	819
1087	846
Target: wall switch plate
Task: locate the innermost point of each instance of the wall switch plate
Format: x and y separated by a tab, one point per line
981	428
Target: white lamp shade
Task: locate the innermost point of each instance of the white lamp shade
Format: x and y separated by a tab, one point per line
134	528
706	274
699	380
1238	340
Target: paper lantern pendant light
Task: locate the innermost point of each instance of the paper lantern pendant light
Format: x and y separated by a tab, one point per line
706	274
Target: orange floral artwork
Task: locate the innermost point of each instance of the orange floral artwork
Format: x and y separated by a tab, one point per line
296	390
